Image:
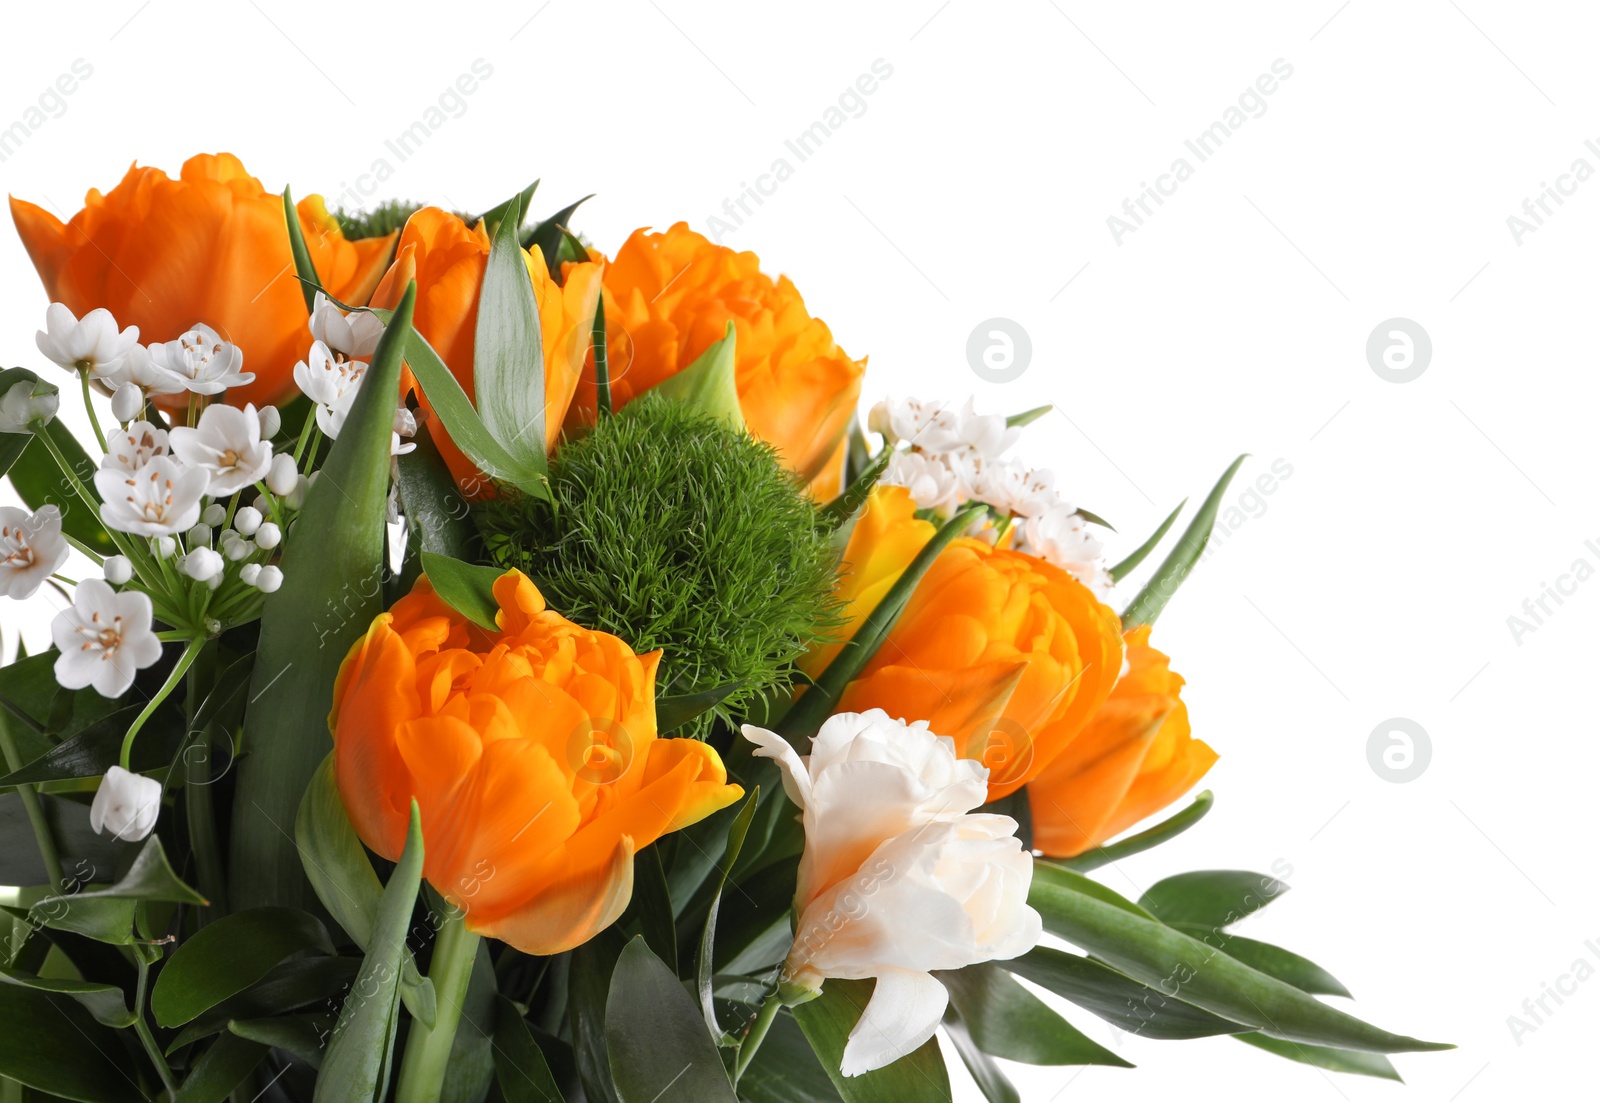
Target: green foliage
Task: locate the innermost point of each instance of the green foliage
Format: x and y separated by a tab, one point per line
386	217
673	530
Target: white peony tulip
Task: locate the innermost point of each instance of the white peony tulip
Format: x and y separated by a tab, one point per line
31	549
126	805
104	638
227	445
898	877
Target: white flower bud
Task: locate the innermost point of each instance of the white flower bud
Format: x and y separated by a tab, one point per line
269	580
21	409
214	581
118	569
271	421
198	537
166	547
236	548
214	514
249	573
127	402
201	564
126	805
261	505
268	536
247	520
297	497
282	477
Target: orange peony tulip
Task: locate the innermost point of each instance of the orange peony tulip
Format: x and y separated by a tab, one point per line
531	752
447	258
670	296
1005	653
1135	758
210	246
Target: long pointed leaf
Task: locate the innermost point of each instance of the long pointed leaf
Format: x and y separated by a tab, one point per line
1148	603
704	963
310	282
1139	554
1168	828
508	356
657	1049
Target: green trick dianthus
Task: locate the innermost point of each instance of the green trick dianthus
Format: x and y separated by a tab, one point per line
673	530
386	217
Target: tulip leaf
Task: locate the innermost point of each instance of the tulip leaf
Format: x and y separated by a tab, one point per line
1326	1057
75	1059
434	507
333	571
519	1065
39	481
1094	518
677	710
709	384
1139	554
817	703
464	425
305	271
508	354
1167	829
1207	901
1119	1000
106	1002
918	1077
992	1082
656	1044
1286	965
106	915
228	955
705	964
602	359
468	588
1027	417
341	874
1153	598
546	236
515	206
1149	951
356	1063
839	515
220	1069
1006	1020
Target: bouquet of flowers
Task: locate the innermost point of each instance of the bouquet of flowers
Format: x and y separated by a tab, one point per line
490	669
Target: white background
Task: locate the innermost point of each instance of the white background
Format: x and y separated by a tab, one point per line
1375	582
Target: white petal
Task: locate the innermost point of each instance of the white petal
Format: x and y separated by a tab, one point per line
796	781
903	1013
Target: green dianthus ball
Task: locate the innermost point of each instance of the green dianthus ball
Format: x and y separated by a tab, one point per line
673	530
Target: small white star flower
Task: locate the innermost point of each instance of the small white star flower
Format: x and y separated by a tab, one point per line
1062	537
126	805
26	405
202	361
31	549
929	479
160	498
227	445
133	447
355	335
138	369
104	638
324	378
92	345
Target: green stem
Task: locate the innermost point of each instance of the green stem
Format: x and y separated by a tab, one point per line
305	434
142	1029
94	420
35	809
171	683
428	1049
202	818
123	545
758	1034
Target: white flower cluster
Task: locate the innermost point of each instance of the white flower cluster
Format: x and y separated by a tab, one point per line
958	456
331	375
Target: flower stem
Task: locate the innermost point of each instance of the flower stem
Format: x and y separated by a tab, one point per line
202	818
94	420
188	657
35	809
142	1029
428	1049
758	1034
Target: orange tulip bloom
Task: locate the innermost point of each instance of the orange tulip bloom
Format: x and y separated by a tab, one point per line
1135	758
447	258
670	296
532	755
1005	653
210	246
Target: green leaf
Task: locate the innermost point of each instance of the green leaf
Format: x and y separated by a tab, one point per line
220	1069
1151	952
705	964
675	711
1077	882
1148	603
785	1069
107	914
333	572
1006	1020
301	1035
588	994
106	1002
1326	1057
1138	555
38	481
839	514
356	1064
1094	518
464	425
297	983
437	511
658	1049
1119	1000
546	236
514	206
994	1085
466	587
469	1070
1027	417
1208	901
52	1044
602	359
508	355
1168	828
519	1065
96	749
228	955
13	444
652	903
1286	965
310	282
817	703
918	1077
709	384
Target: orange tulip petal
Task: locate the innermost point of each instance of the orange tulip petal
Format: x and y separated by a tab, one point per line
569	912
